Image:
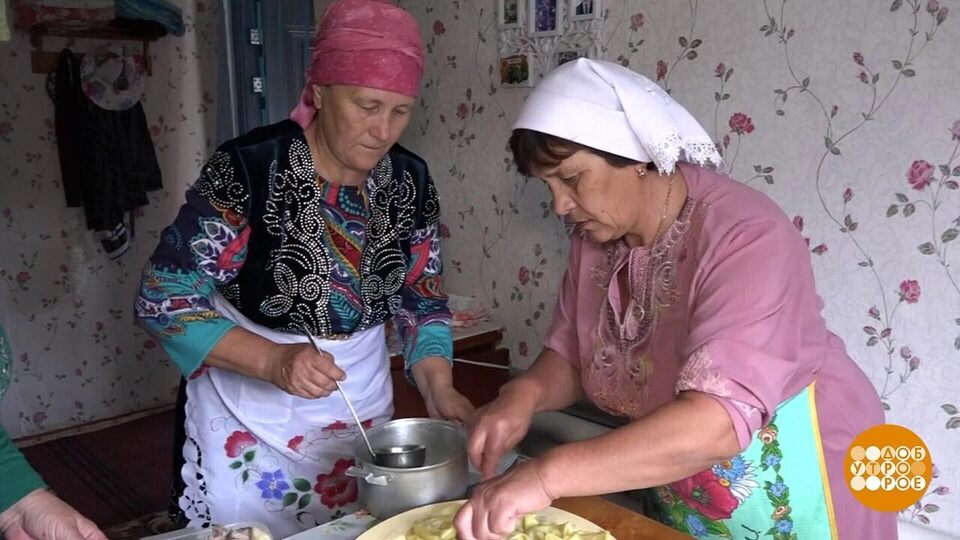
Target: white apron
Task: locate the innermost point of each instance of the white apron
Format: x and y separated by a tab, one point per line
257	453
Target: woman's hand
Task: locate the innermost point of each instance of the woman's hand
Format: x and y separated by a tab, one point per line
299	369
42	516
496	505
444	401
434	378
499	426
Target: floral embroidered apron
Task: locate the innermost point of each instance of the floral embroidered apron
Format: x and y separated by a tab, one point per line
257	453
776	488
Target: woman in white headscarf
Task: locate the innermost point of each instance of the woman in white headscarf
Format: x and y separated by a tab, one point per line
689	307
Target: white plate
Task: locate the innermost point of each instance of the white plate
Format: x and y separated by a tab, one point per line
396	527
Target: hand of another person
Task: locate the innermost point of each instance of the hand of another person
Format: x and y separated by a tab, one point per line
498	427
496	505
42	516
299	369
444	401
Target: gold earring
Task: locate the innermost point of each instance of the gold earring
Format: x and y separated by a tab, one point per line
642	171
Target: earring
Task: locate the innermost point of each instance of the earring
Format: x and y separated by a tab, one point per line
642	171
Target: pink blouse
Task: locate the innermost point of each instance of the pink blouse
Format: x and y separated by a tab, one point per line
723	303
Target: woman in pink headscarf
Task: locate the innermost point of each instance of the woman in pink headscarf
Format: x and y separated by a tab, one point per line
318	226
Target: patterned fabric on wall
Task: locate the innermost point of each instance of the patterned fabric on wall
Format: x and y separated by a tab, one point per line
846	113
67	308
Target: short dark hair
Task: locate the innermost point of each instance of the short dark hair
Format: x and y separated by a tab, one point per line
533	149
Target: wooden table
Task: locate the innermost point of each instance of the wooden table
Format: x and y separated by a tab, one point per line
623	523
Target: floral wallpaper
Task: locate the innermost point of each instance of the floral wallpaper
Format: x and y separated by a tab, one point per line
66	307
847	114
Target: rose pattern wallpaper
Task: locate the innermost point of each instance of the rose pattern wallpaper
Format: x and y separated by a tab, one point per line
66	307
847	114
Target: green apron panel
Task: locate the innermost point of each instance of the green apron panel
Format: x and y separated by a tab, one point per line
777	488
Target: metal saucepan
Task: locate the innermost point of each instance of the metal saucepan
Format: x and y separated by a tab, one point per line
387	491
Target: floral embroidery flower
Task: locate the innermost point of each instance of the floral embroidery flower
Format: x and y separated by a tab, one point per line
237	442
337	425
234	219
720	70
955	130
784	526
636	21
778	489
336	488
696	375
696	526
704	493
781	511
731	470
294	443
272	485
739	475
858	58
438	28
767	435
665	495
772	460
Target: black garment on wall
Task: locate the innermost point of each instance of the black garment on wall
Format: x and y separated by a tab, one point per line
107	159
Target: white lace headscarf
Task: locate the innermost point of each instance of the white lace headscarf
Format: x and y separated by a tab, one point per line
608	107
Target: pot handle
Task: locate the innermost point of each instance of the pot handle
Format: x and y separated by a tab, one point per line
370	478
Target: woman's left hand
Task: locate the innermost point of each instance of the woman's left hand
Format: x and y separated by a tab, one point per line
434	378
444	401
497	504
42	516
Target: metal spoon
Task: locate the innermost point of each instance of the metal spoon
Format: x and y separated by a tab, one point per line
405	456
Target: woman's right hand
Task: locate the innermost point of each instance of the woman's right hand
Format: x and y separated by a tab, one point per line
299	369
499	426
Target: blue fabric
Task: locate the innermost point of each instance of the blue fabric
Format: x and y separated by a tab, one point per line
160	11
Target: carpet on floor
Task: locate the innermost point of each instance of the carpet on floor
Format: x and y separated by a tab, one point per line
119	477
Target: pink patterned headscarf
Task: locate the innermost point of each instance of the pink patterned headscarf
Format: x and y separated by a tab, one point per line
370	43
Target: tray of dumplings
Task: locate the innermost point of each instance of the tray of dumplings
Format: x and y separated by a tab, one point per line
435	522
